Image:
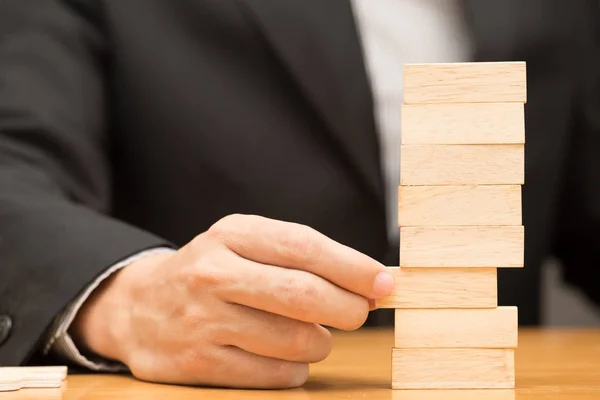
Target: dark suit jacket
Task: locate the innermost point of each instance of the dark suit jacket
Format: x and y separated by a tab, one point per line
129	124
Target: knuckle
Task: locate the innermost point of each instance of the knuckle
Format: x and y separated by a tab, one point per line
314	344
308	290
300	340
188	321
300	244
193	279
301	295
326	346
196	320
290	374
203	275
358	317
234	230
225	225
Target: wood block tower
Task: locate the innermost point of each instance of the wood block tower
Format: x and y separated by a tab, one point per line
459	215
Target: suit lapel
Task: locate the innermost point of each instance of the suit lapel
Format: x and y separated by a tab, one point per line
318	43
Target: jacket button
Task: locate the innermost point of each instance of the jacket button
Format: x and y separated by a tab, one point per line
5	327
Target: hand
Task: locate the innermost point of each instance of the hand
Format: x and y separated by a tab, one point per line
241	305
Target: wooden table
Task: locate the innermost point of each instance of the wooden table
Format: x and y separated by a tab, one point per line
550	364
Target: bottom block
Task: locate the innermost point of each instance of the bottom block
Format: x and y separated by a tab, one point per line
453	368
454	394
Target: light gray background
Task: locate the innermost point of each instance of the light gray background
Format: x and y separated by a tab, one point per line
563	305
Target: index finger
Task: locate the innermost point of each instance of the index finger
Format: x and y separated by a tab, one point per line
292	245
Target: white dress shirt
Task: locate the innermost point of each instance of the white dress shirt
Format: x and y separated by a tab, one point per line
393	32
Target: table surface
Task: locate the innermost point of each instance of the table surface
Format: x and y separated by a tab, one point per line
550	364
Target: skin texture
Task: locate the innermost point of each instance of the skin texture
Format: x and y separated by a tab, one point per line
242	305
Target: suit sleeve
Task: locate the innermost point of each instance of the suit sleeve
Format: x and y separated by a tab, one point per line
60	342
56	233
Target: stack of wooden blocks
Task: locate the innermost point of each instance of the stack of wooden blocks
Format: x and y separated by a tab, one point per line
459	213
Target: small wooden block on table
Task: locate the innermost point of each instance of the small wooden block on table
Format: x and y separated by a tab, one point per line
460	368
451	328
16	378
442	288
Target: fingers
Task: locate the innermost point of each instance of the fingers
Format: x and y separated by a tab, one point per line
222	366
296	246
294	294
240	369
274	336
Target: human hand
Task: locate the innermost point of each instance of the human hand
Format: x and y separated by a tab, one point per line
241	305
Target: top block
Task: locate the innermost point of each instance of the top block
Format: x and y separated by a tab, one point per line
477	82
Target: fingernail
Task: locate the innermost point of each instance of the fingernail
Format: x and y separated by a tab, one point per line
383	284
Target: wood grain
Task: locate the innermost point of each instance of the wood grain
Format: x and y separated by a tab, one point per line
470	123
442	288
450	328
551	364
454	394
472	82
459	205
501	164
462	246
453	368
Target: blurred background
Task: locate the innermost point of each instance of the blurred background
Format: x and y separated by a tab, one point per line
563	305
94	108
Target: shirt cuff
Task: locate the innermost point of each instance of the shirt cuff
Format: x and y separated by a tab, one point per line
61	343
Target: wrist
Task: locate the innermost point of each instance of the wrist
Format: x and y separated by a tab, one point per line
102	325
96	327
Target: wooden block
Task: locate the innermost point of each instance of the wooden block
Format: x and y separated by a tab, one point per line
32	377
11	379
493	164
11	383
471	123
459	205
55	394
442	288
450	328
462	246
454	394
474	82
453	369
